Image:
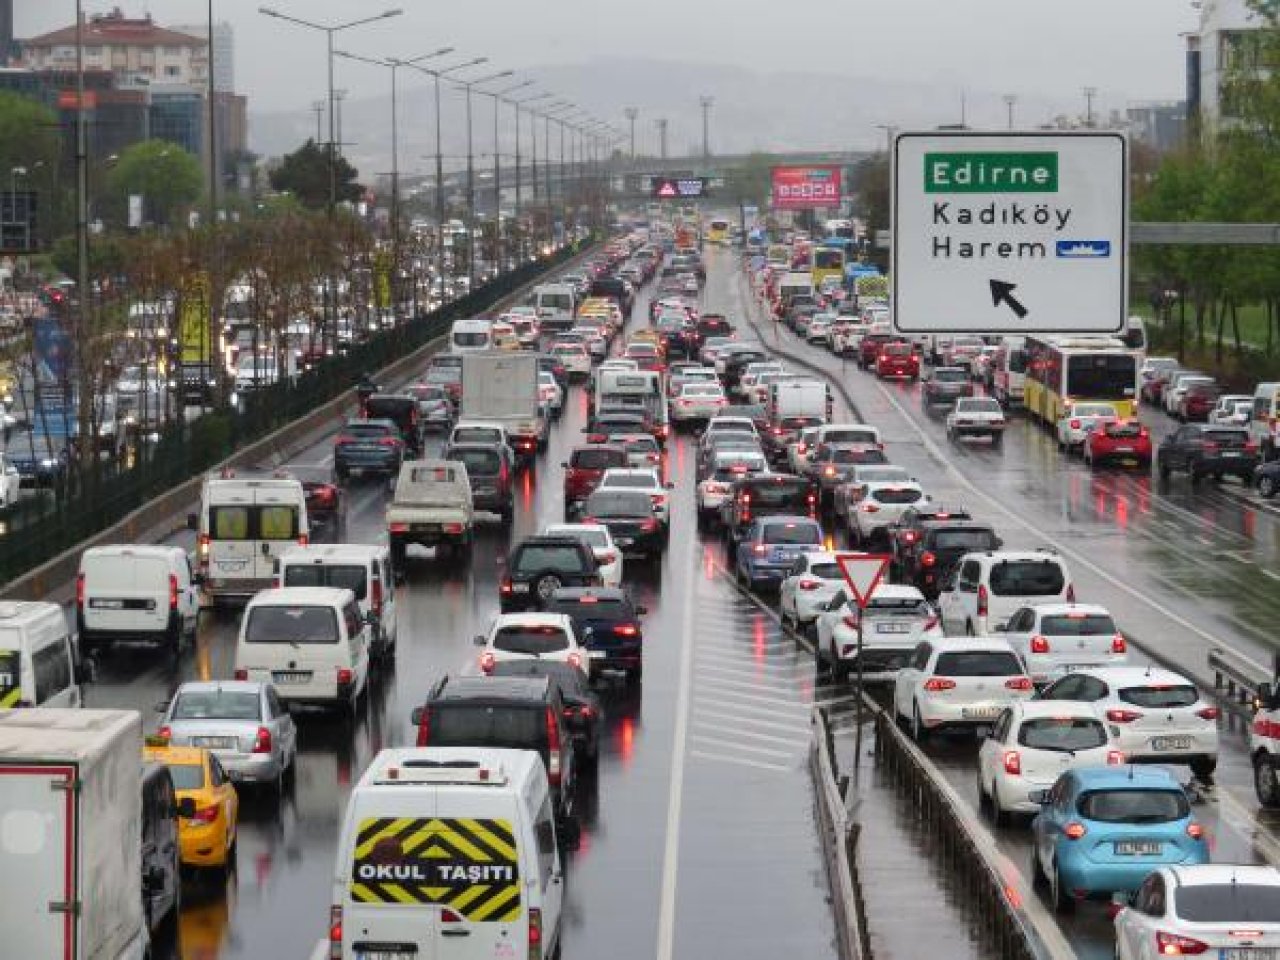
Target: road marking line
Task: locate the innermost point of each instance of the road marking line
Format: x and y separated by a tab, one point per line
761	671
771	712
675	799
741	761
727	686
1251	829
795	741
1269	573
701	710
732	745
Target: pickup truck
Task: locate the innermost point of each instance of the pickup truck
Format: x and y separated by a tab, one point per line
431	507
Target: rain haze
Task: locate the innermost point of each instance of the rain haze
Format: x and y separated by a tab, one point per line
854	65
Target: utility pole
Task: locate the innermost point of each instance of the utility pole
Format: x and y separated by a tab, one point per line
1009	100
632	113
317	107
662	137
706	103
1089	94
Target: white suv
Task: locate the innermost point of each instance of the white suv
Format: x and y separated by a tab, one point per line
1053	639
984	589
952	683
541	636
1156	716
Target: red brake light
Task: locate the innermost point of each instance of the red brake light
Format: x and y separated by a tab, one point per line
1039	644
335	932
1174	945
626	630
1075	424
80	589
553	750
262	741
1018	683
173	592
375	597
424	727
1117	715
1114	758
487	660
345	676
982	601
1074	831
1195	831
1071	593
809	584
207	814
165	733
1013	763
535	933
936	684
242	674
927	559
388	442
1117	644
1208	713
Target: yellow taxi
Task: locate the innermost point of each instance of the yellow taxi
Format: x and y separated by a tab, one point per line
503	336
208	805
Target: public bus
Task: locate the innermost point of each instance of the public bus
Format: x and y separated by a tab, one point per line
1065	370
718	231
827	262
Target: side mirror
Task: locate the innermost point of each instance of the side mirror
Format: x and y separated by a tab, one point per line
999	542
86	672
415	716
187	807
162	707
1041	797
193	521
479	640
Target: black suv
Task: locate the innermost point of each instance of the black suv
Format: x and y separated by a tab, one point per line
636	529
609	624
583	714
766	495
1208	450
539	566
368	447
905	535
402	410
939	546
520	713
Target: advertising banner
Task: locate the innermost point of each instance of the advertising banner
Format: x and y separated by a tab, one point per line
805	188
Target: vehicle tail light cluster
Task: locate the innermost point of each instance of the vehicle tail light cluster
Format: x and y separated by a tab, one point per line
202	550
262	741
850	620
335	932
80	590
1039	644
454	528
626	630
1118	644
1074	830
1119	715
982	601
759	549
649	526
535	931
1013	763
1195	831
206	815
1115	758
938	684
1018	683
241	674
1176	945
375	597
165	733
346	676
1075	424
870	507
398	528
388	442
487	661
809	584
928	559
1071	593
553	751
1208	713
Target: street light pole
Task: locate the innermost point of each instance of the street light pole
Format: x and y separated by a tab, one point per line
632	113
467	85
497	169
1009	101
518	104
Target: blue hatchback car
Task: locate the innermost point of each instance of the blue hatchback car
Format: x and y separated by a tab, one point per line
1101	830
771	545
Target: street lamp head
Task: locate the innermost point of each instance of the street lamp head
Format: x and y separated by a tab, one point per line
269	12
394	12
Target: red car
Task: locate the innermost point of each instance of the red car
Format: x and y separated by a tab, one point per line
647	357
898	360
585	468
870	348
1126	442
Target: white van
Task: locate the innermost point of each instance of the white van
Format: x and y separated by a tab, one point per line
127	593
311	642
37	664
448	853
1264	422
985	589
363	569
246	522
557	305
471	335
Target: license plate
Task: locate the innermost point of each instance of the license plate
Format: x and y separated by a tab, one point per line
1170	743
596	654
98	604
980	713
520	588
426	528
386	954
1230	453
1249	953
1124	449
214	743
232	566
291	676
1139	848
624	541
893	628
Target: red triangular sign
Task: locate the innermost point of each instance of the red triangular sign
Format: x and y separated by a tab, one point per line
668	189
863	573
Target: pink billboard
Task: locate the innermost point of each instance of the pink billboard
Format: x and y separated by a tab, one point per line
804	188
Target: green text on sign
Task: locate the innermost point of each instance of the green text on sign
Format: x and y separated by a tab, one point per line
991	172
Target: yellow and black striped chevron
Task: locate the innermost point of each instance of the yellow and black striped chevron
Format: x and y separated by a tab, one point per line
471	866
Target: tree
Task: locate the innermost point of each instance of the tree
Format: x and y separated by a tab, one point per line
305	174
167	177
750	183
30	140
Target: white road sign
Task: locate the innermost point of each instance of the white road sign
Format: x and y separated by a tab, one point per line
1010	233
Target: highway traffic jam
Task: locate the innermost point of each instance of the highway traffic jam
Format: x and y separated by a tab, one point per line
444	685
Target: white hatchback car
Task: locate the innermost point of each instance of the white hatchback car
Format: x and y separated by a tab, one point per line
955	683
1059	638
1210	909
697	401
894	623
1156	715
1078	419
540	636
1031	744
878	504
598	538
808	587
632	478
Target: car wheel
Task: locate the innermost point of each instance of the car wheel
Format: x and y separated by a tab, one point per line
919	732
1062	901
546	585
1202	767
1266	781
1267	486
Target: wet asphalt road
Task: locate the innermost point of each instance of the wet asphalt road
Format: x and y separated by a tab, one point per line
1179	568
700	823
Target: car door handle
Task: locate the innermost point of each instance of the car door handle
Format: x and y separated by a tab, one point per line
455	933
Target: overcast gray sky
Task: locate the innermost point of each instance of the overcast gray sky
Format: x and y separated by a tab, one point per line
1128	49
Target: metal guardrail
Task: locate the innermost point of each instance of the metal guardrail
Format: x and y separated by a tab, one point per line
1236	679
839	843
1010	915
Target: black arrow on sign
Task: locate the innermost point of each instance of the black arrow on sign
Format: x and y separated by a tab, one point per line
1002	292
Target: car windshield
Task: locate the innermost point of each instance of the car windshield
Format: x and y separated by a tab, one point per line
530	639
637	481
851	435
601	459
1077	625
186	776
979	405
950	376
1093	410
466	725
898	607
592	608
978	663
216	705
1160	697
1026	578
477	435
1234	902
478	462
826	571
791	533
1064	734
344	576
1128	428
896	495
540	558
963	539
1226	438
702	390
1136	806
778	494
622	504
591	537
292	625
878	474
